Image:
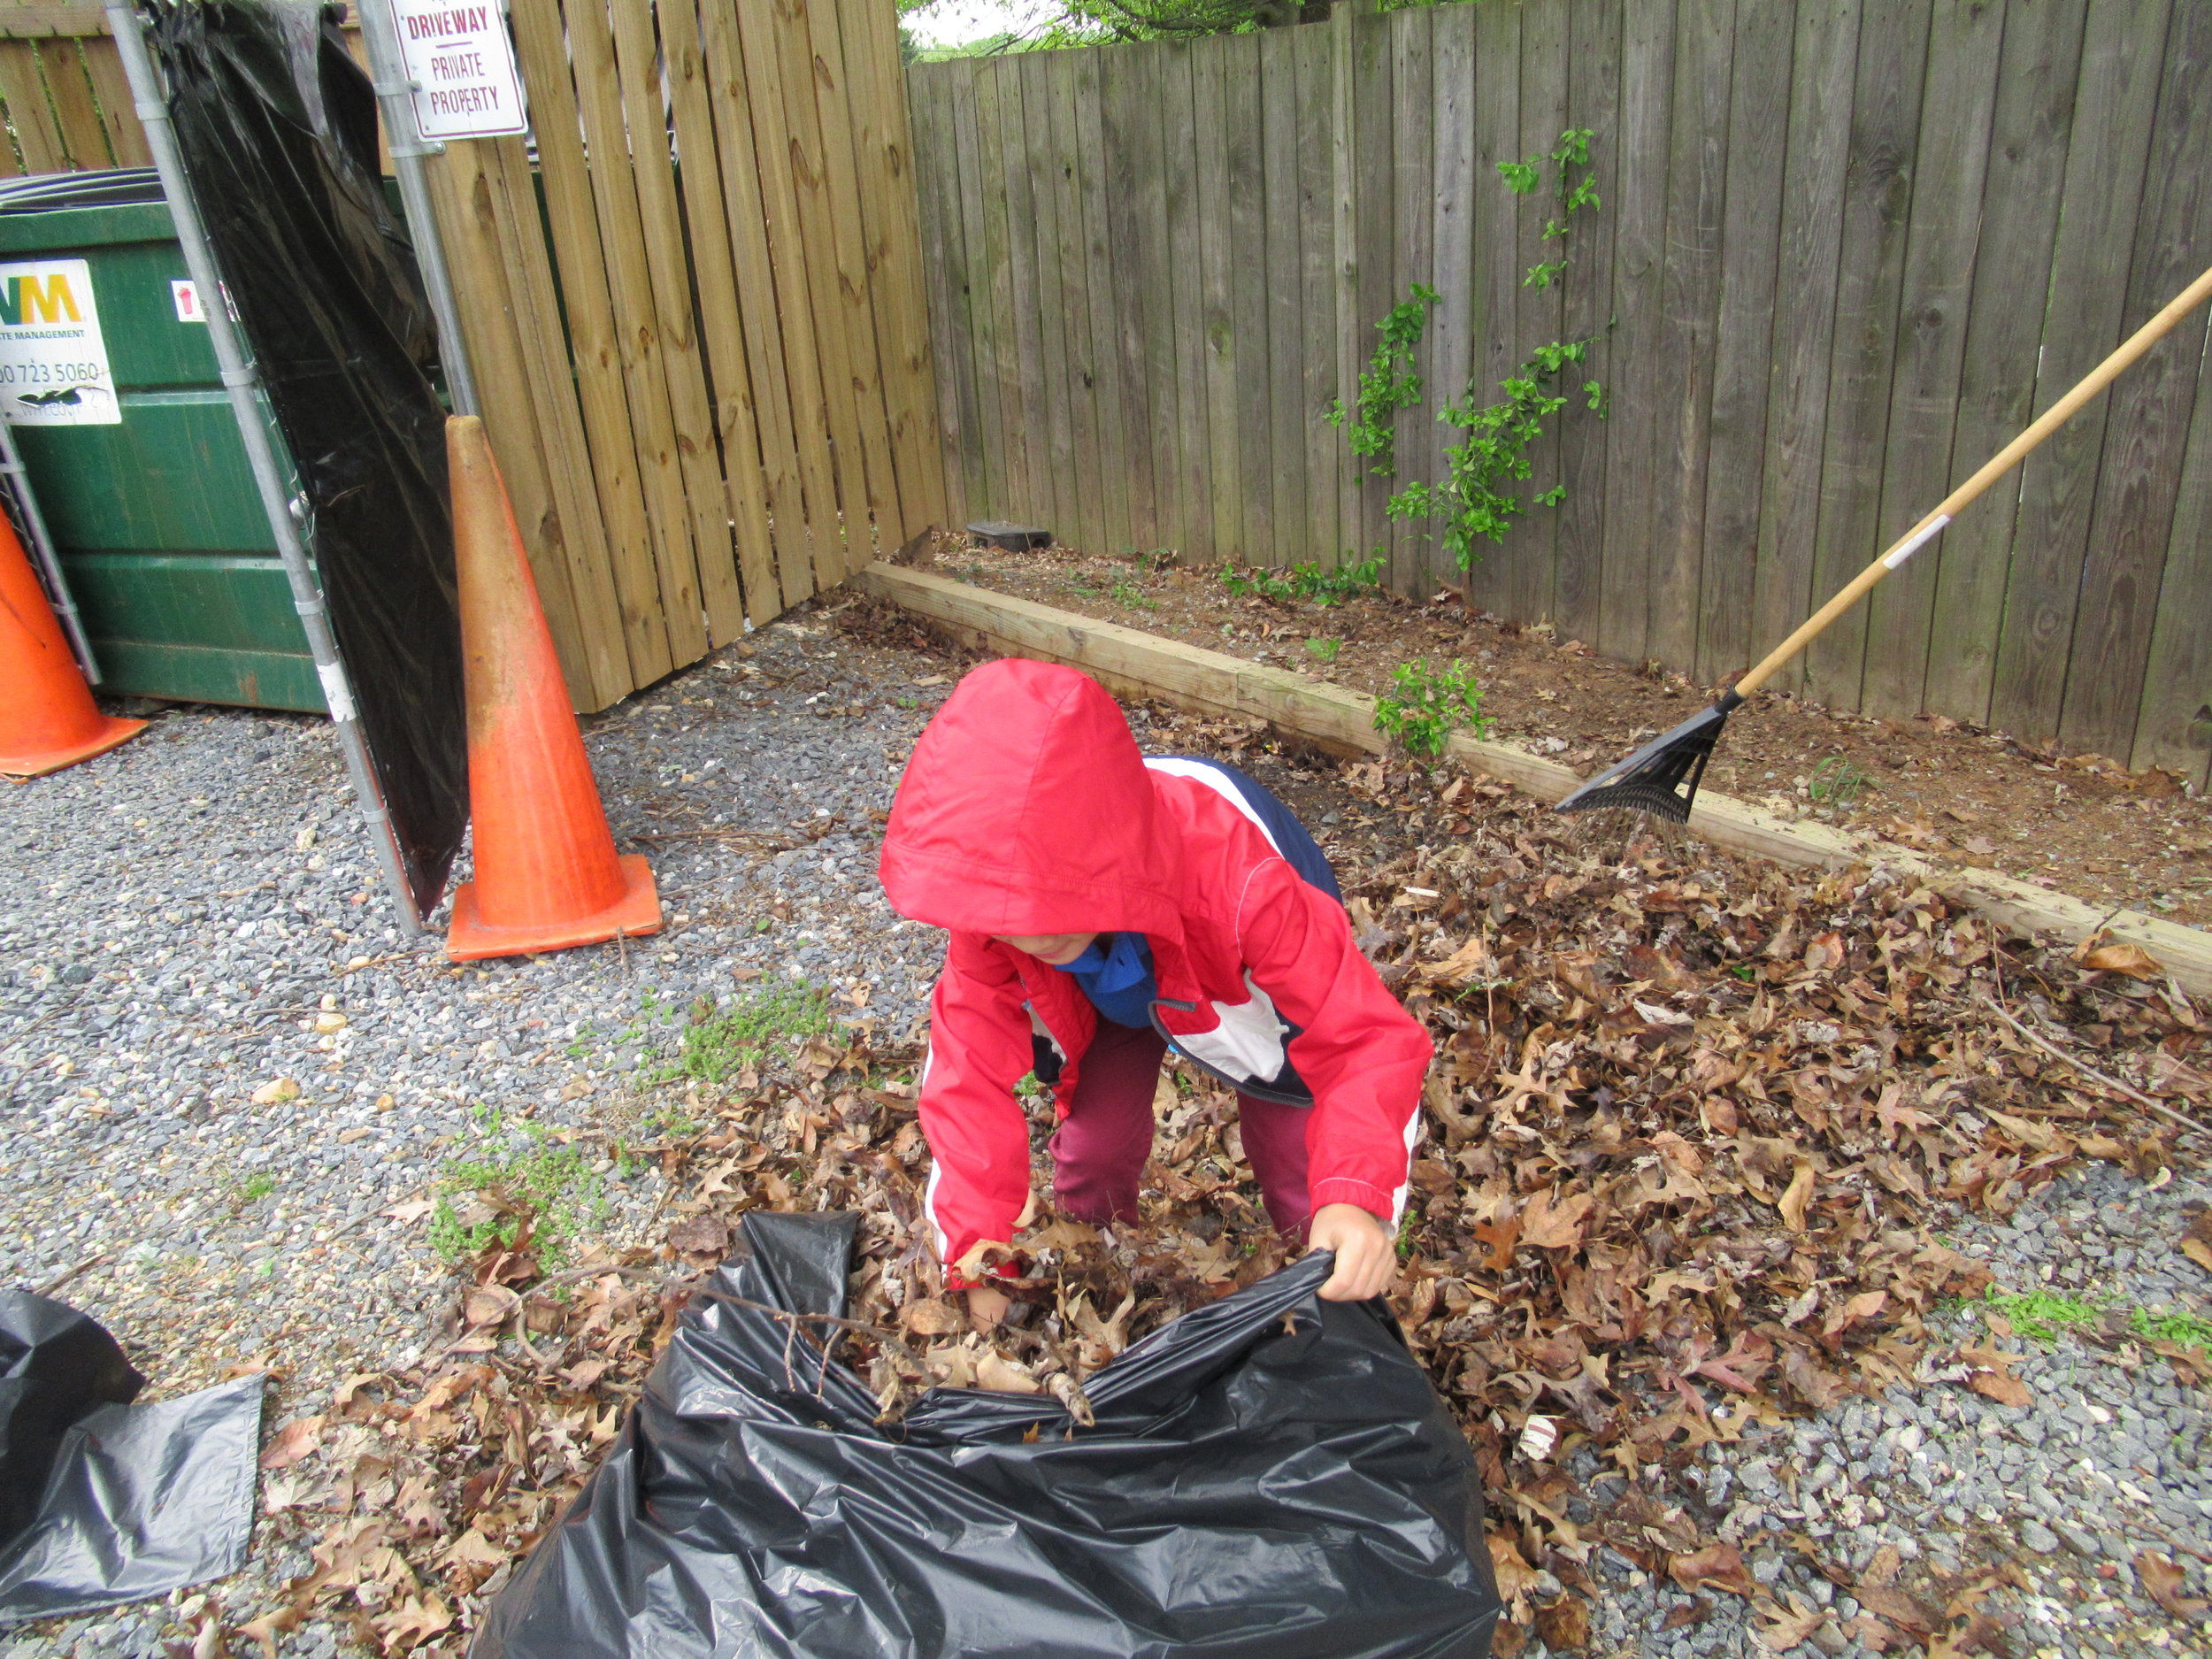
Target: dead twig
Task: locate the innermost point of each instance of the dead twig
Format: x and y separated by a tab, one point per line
812	1318
522	1335
68	1274
568	1274
373	962
2156	1108
752	840
2187	1550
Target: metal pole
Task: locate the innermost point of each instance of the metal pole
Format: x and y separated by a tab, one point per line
42	552
243	383
394	91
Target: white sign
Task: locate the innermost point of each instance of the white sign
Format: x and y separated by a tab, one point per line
53	363
462	68
188	301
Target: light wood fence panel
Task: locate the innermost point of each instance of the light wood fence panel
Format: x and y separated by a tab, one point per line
1846	249
698	321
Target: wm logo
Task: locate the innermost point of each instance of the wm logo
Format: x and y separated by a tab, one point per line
29	299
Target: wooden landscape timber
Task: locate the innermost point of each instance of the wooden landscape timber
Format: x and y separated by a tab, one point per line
1343	722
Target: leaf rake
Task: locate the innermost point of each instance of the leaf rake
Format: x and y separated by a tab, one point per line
1661	779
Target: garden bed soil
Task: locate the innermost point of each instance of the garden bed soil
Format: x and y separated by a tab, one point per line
2079	824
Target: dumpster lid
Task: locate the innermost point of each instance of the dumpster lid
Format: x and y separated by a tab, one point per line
54	192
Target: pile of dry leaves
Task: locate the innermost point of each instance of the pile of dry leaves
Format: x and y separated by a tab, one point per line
1689	1119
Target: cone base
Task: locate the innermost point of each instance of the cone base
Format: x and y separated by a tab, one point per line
110	733
472	939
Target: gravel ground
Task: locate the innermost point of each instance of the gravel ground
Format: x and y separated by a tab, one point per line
2046	1507
178	925
192	921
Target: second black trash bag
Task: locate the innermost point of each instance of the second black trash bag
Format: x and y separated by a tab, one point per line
102	1501
1271	1474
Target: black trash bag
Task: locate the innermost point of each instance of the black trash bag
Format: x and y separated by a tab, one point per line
276	125
1271	1475
102	1501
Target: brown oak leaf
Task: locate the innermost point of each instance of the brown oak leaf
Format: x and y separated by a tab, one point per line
1564	1624
1793	1203
295	1440
1719	1565
1992	1376
1555	1226
2161	1582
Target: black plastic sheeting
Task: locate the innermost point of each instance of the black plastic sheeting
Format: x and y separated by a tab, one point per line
277	127
102	1501
1271	1475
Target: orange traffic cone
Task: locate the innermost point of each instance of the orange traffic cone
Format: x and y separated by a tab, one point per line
47	716
547	876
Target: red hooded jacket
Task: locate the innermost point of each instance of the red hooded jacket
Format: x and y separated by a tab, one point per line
1026	809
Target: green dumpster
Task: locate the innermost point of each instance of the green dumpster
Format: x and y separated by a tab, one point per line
128	440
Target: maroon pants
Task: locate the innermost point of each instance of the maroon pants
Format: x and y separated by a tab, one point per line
1099	1151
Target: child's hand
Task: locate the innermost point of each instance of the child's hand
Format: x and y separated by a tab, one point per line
1365	1258
986	1306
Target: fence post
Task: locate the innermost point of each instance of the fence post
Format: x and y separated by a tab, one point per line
1344	161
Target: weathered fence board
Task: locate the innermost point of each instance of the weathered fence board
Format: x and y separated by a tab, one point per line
1640	234
1847	250
1758	107
1697	175
2113	106
1953	150
1413	252
2132	521
1593	92
1876	200
2028	143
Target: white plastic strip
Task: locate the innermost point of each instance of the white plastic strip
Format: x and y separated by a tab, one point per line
335	691
1905	548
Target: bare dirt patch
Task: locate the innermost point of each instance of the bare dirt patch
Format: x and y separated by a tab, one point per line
2081	824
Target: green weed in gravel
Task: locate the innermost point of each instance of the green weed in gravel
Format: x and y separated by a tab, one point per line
2041	1315
719	1042
256	1186
2185	1330
510	1176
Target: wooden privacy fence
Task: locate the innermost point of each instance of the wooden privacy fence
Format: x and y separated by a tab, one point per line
68	105
739	409
697	323
1846	249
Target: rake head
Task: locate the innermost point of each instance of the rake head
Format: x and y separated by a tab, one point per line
1662	776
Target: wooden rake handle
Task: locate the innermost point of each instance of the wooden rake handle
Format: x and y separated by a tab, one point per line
2049	421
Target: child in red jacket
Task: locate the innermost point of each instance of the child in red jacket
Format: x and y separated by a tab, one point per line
1103	908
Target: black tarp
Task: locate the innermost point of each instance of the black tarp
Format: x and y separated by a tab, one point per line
1270	1476
102	1501
277	128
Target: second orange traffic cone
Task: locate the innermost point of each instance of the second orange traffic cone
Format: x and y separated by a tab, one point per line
48	719
547	874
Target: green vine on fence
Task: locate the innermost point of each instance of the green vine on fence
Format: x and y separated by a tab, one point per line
1525	178
1476	498
1389	384
1473	500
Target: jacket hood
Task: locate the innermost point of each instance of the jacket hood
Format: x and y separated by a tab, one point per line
1026	809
